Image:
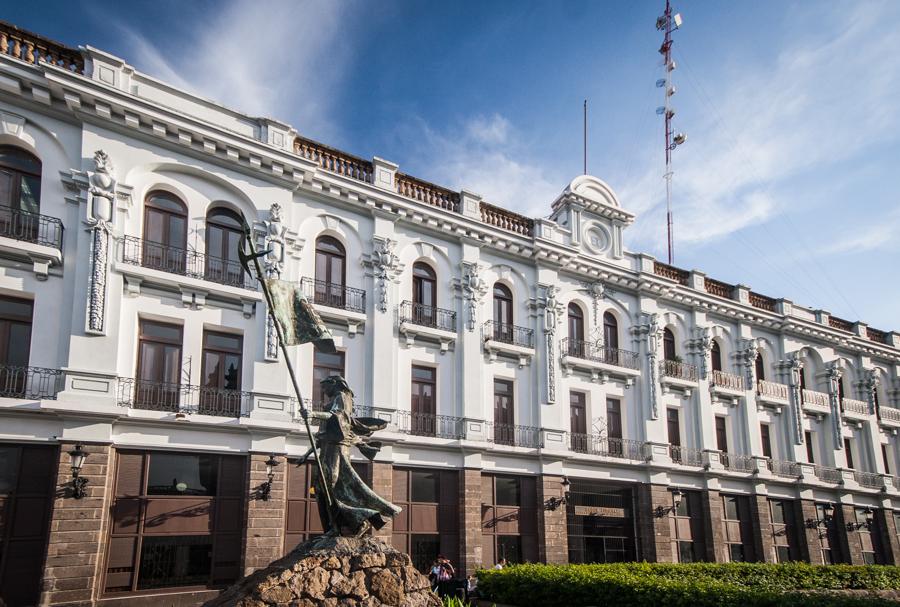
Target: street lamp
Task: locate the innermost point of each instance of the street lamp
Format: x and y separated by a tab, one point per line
555	502
868	515
76	459
265	489
677	497
827	518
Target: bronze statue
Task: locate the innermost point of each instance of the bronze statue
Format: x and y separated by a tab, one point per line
347	506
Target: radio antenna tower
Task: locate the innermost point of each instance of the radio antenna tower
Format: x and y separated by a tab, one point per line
667	24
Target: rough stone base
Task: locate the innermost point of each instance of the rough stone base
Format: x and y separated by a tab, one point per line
334	572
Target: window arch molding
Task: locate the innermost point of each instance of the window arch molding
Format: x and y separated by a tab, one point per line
576	328
670	344
21	171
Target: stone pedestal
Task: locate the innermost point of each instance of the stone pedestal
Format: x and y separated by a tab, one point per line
332	572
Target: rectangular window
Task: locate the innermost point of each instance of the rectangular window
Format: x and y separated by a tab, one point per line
885	459
737	527
782	516
810	449
15	332
221	372
159	366
509	547
182	474
848	449
614	418
324	366
424	486
766	440
423	407
184	560
673	427
504	417
721	435
424	548
578	422
508	490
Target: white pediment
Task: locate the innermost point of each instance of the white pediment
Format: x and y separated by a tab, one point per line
592	189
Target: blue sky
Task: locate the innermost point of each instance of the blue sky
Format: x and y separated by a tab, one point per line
786	183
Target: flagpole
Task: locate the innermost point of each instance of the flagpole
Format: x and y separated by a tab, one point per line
248	237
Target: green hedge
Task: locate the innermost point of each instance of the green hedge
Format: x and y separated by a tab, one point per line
688	585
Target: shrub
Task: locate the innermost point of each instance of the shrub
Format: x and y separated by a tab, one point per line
688	585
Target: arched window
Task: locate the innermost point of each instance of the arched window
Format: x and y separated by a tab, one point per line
503	313
610	331
20	181
424	294
576	330
716	356
802	372
840	387
331	262
165	233
760	368
224	228
669	344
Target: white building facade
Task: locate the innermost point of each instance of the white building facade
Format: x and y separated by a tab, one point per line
549	394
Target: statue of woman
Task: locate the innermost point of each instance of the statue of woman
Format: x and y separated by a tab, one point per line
349	507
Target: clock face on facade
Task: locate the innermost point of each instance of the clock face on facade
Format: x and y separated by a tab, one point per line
597	238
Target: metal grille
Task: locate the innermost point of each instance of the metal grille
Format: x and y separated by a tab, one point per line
31	227
175	561
181	398
428	424
30	382
587	350
600	524
509	334
512	435
184	262
428	316
333	295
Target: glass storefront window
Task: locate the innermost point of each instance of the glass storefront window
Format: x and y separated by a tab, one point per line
509	547
182	474
8	467
424	486
508	492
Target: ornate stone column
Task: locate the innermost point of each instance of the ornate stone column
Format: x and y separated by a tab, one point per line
834	372
100	219
646	332
273	265
749	351
473	288
789	369
385	268
553	310
701	346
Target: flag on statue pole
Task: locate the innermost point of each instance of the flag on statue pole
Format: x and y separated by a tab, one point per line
299	321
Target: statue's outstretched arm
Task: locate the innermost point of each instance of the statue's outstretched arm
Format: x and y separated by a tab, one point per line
306	413
306	455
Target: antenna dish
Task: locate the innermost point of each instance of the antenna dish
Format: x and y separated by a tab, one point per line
680	138
670	91
677	20
660	83
672	65
661	110
661	23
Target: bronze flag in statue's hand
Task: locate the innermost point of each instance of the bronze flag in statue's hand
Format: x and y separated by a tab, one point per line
299	321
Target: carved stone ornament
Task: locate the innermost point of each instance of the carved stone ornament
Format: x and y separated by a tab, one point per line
647	329
553	309
474	288
273	265
834	372
385	266
100	217
702	346
791	368
749	351
868	385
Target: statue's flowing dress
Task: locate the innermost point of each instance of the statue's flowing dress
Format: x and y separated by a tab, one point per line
353	502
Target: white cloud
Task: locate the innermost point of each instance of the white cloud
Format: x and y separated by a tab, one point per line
826	99
281	60
485	155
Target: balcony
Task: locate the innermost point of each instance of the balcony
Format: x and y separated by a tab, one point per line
427	322
728	387
181	398
510	340
336	303
30	236
857	409
429	424
31	383
183	262
619	448
784	469
816	403
737	463
772	394
686	456
871	480
889	416
601	362
513	436
828	475
679	375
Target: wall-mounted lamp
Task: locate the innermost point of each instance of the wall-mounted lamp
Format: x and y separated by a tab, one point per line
827	518
265	489
555	502
869	515
76	459
677	497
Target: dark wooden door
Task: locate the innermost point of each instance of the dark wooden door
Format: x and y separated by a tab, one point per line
27	481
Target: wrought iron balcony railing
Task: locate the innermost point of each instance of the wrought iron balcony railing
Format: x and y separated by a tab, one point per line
827	474
737	462
181	398
595	444
587	350
686	456
678	370
428	316
509	334
334	295
156	256
429	424
513	435
31	383
729	381
31	227
782	468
